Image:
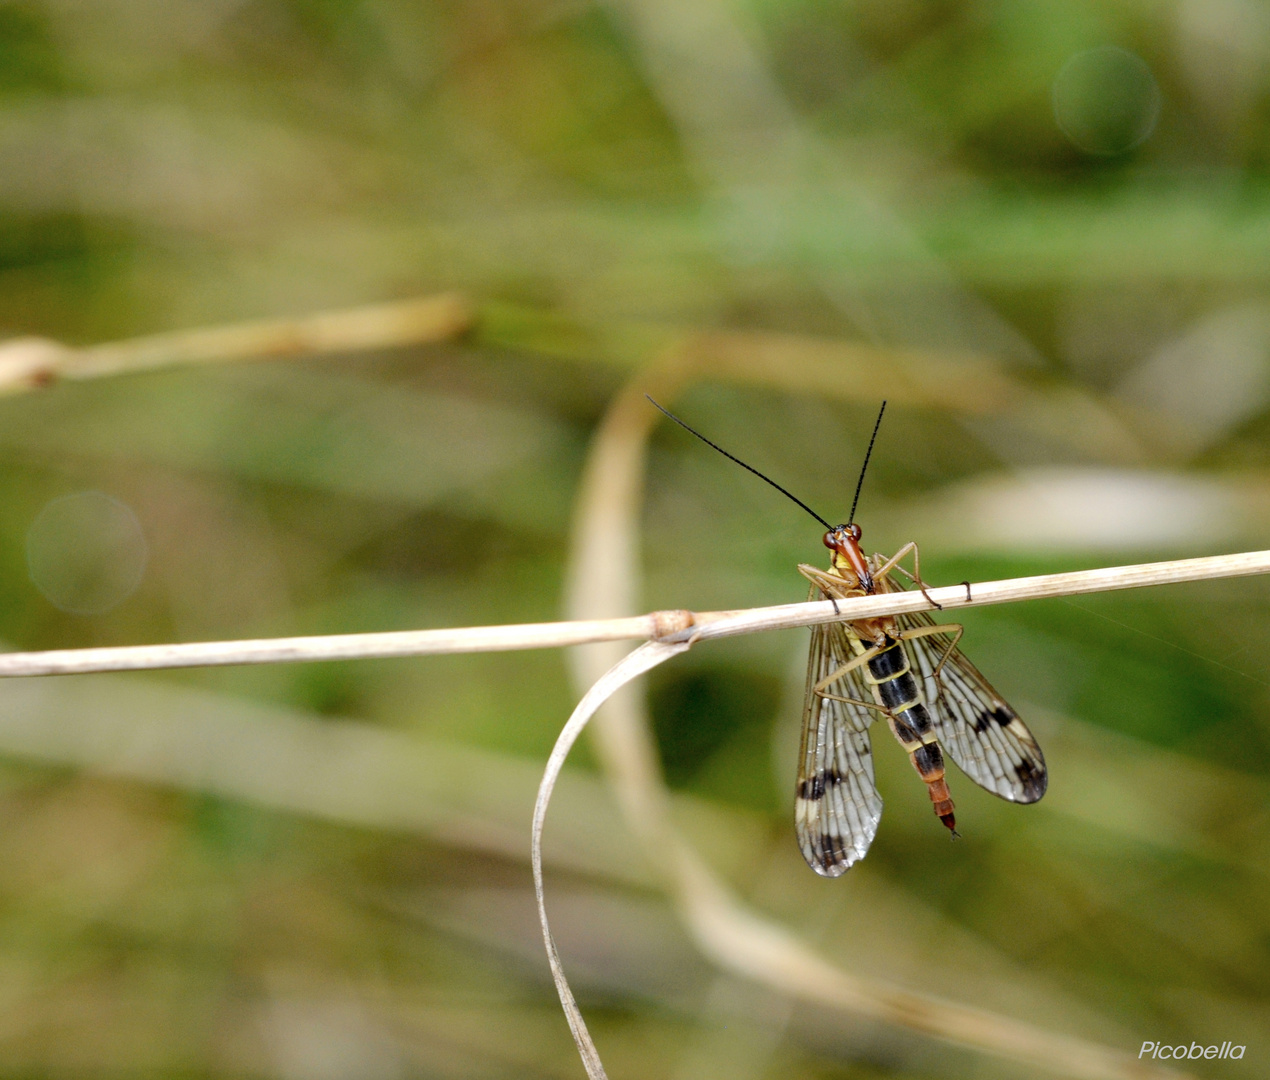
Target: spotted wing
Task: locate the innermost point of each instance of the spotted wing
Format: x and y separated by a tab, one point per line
837	806
981	733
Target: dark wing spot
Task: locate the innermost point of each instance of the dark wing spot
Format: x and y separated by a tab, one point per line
1003	715
835	856
814	787
1034	779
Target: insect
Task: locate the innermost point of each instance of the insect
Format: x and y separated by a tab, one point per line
906	668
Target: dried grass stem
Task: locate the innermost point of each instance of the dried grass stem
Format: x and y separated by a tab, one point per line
670	626
31	363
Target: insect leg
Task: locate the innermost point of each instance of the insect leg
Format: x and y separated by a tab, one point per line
955	629
893	563
849	666
829	584
816	587
856	701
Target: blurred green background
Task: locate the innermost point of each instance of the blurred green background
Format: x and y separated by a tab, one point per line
319	872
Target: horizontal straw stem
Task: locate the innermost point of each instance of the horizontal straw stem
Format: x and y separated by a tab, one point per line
667	626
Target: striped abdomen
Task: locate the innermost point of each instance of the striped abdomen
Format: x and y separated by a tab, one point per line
910	722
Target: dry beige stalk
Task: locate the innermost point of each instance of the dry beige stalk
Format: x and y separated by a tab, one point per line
668	626
29	363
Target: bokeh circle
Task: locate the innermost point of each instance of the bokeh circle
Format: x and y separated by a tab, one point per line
86	552
1106	100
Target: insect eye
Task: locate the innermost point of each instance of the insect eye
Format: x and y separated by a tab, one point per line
854	531
829	540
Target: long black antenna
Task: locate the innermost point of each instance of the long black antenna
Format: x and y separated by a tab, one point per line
859	483
755	471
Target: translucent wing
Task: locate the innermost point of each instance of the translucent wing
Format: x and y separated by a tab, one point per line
981	733
837	806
